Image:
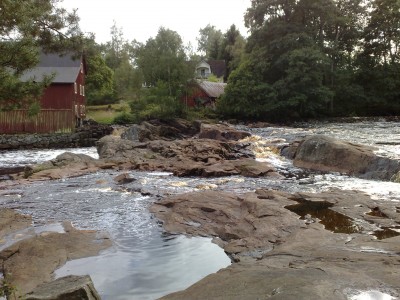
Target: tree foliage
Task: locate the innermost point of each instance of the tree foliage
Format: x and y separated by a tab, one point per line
163	59
210	42
165	70
318	58
26	26
119	55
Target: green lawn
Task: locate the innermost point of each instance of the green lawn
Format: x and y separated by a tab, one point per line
105	114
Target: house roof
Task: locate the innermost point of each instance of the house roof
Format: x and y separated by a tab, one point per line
65	68
218	67
212	89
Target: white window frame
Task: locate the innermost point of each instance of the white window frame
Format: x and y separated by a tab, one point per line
75	88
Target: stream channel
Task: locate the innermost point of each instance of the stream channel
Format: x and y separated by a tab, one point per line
145	262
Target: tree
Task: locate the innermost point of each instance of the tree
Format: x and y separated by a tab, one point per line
166	71
247	95
378	61
26	26
232	49
163	59
382	34
115	50
285	48
210	42
119	56
314	54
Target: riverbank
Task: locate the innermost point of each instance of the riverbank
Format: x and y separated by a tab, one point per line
277	251
85	136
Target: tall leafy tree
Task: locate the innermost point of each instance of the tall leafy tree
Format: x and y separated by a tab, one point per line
100	78
163	58
26	26
210	42
382	33
115	50
287	48
319	56
119	57
164	65
378	61
232	49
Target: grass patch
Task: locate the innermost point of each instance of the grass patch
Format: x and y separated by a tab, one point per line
105	114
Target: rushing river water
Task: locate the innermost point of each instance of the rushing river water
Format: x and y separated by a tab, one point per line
146	263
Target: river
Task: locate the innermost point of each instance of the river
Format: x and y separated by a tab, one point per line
146	263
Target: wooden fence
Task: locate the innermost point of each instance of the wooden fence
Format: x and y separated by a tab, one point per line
47	121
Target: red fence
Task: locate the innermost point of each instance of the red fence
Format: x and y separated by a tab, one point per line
47	121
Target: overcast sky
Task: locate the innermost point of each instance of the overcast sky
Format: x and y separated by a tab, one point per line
140	19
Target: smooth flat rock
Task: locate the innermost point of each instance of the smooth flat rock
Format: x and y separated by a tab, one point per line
280	256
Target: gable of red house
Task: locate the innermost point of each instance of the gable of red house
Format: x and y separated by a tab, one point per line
62	103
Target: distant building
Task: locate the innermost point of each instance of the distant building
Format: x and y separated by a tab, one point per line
211	67
204	93
62	103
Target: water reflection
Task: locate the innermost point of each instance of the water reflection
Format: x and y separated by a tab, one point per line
144	263
332	220
150	271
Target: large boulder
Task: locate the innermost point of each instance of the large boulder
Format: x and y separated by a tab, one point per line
326	154
69	287
64	165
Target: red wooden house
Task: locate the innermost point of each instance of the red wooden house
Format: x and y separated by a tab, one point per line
62	105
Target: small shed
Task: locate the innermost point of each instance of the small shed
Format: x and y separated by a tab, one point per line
204	93
62	105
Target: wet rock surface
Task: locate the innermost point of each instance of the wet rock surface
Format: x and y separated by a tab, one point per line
161	130
30	262
331	155
281	256
329	245
182	157
10	221
189	157
85	136
69	287
221	132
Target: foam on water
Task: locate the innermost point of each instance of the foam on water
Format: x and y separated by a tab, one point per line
15	158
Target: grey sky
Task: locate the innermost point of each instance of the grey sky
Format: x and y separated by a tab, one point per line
140	19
